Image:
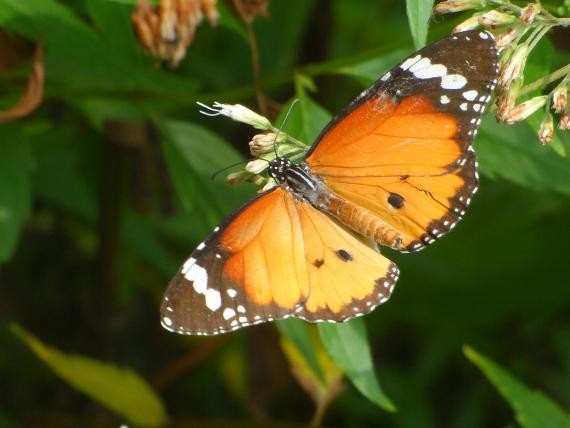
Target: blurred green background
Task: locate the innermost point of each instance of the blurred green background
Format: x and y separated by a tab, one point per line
105	189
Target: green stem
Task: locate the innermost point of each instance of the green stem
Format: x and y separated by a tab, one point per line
537	84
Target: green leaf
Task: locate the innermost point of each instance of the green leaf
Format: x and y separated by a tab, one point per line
308	118
513	153
371	69
230	21
117	389
297	331
193	154
532	408
348	346
419	12
15	187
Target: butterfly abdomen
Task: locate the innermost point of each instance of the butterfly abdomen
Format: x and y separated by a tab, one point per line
363	222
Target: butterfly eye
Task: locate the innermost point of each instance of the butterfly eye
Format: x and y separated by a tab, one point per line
344	255
396	200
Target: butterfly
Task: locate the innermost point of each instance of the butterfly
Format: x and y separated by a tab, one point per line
396	167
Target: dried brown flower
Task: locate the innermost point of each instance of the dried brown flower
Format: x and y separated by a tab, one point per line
33	94
166	30
546	130
248	10
564	123
528	13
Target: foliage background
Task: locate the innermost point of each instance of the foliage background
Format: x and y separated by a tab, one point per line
106	189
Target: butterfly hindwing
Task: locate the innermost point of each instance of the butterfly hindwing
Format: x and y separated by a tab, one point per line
276	257
402	149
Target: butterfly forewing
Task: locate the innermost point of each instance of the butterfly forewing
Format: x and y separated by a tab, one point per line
402	149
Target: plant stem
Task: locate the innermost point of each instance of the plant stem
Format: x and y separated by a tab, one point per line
254	51
537	84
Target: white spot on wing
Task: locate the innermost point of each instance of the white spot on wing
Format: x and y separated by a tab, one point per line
201	246
187	265
453	81
409	62
385	77
470	95
444	99
199	277
419	65
228	313
432	71
167	321
213	299
231	292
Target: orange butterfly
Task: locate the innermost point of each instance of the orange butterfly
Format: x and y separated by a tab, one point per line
395	167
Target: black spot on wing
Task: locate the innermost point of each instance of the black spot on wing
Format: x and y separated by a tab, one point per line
344	255
397	201
318	263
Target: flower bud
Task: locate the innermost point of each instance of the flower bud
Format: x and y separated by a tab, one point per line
256	166
560	98
505	103
546	130
237	177
514	65
524	110
494	18
469	24
506	38
238	113
261	144
564	123
528	13
452	6
270	184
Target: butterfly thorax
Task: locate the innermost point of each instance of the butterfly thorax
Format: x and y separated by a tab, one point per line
308	187
299	180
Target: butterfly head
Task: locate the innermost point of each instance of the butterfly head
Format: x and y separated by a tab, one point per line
278	168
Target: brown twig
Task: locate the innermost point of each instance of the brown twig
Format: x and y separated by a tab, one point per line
185	362
254	51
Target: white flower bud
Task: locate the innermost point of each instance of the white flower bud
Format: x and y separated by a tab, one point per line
469	24
238	113
452	6
256	166
262	144
524	110
494	18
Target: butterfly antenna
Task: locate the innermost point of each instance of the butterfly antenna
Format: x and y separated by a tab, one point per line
295	101
218	172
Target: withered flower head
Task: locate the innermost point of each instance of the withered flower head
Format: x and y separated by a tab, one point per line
248	10
524	110
564	123
560	98
546	130
166	30
528	13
